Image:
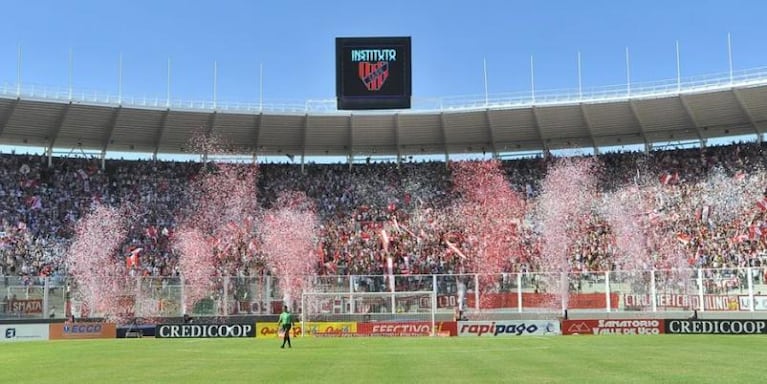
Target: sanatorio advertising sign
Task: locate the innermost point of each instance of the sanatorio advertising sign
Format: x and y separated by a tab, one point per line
509	328
26	306
176	331
613	327
719	327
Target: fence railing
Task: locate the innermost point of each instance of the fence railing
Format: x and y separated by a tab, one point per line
668	87
729	289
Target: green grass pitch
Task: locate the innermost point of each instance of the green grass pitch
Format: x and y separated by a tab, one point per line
571	359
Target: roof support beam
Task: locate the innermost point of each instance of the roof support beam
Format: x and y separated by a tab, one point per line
350	153
638	119
544	147
691	116
256	137
7	117
747	113
160	132
587	122
57	125
109	129
210	124
491	133
208	133
303	142
396	138
444	136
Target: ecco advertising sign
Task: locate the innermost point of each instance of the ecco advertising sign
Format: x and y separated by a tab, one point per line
83	331
179	331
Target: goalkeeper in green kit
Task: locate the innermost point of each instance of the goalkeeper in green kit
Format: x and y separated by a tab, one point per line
285	323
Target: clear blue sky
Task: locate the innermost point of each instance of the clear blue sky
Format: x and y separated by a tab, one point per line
294	40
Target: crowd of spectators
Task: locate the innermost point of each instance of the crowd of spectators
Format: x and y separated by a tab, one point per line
40	206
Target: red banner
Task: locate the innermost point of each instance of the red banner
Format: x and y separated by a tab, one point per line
613	327
26	306
410	328
539	300
680	301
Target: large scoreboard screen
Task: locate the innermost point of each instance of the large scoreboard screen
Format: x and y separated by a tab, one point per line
373	73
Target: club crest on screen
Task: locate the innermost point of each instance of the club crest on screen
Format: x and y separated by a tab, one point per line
374	75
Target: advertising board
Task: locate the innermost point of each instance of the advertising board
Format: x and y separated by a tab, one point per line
509	328
716	327
613	327
167	331
317	329
69	331
406	328
23	332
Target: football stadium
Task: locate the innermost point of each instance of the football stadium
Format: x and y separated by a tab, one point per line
600	227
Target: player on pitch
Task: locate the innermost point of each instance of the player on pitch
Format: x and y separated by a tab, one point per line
285	323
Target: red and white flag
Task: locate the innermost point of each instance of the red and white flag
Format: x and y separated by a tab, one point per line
455	249
406	268
703	214
669	178
684	238
132	260
385	240
739	238
35	202
762	204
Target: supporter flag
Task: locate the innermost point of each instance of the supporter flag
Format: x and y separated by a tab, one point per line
669	178
331	267
455	249
253	247
35	202
400	227
29	183
132	260
151	232
754	232
321	252
684	238
703	214
762	204
385	240
83	175
406	268
739	238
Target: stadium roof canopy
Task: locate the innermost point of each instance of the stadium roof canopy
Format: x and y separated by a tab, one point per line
695	109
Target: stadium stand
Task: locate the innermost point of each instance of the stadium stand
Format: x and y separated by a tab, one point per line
40	204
